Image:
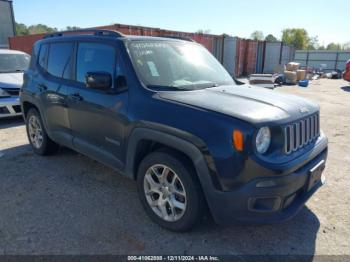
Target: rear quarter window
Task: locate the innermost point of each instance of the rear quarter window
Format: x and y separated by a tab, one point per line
42	60
34	57
60	60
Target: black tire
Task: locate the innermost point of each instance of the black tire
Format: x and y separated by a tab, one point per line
195	203
47	146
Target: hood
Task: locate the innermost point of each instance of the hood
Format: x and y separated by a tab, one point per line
252	104
11	80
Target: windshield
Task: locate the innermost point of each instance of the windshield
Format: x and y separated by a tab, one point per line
13	62
177	65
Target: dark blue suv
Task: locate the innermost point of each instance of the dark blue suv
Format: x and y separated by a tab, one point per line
165	113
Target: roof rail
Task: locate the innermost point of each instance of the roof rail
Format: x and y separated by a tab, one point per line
96	32
186	38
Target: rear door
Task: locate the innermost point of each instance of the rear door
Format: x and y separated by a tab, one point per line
98	118
55	67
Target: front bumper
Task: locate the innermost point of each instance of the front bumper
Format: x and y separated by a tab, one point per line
10	106
278	199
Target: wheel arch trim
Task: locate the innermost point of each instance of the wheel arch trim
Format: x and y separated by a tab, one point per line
172	141
36	104
206	181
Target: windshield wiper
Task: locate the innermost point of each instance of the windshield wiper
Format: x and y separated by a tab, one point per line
189	87
197	86
213	85
12	71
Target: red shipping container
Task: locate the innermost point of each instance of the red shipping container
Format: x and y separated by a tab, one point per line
240	56
25	43
250	57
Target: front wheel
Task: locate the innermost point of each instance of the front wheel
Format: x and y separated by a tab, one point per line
169	191
37	136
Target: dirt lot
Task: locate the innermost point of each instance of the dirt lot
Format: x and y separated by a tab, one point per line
70	204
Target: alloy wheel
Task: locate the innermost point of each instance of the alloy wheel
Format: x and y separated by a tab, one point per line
165	192
35	131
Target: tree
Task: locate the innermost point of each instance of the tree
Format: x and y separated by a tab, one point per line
297	37
41	29
72	28
202	31
270	38
257	35
313	43
334	46
346	46
21	29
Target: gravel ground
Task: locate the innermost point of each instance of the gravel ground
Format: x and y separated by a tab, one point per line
70	204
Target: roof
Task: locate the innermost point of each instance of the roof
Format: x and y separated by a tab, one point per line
163	38
106	34
9	51
111	38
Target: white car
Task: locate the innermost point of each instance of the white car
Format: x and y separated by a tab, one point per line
12	65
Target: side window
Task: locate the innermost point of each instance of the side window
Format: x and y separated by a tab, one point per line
60	62
34	56
43	56
94	57
121	80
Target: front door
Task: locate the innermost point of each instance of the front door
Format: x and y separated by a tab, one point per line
98	118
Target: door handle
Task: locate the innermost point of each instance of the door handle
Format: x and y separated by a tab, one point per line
76	97
42	87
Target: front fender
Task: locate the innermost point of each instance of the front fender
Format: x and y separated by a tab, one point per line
197	153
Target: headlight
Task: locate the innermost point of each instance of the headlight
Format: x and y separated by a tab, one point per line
3	93
263	140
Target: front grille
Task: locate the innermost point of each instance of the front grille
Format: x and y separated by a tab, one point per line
12	91
301	133
4	110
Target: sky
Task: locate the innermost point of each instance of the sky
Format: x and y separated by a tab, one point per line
325	19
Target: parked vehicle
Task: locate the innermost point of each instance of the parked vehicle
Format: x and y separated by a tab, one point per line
346	74
165	113
12	65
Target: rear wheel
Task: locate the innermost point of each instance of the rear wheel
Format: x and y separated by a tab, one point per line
37	135
169	191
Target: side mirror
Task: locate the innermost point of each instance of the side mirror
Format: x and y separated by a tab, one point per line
121	82
98	80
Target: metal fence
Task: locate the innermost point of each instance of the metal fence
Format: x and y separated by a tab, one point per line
6	23
330	60
224	49
277	53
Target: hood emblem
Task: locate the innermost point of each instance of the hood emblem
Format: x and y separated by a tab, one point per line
303	110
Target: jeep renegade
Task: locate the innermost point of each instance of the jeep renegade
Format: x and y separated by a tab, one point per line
164	112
